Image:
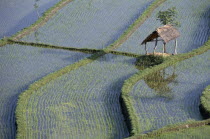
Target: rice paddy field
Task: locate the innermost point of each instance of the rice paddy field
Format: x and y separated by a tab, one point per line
21	66
53	93
194	133
201	132
193	16
205	102
89	23
90	108
18	14
171	95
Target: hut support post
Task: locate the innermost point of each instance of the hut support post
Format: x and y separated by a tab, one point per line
146	48
156	41
175	52
164	47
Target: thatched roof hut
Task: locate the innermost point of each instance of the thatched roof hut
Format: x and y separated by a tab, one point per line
166	33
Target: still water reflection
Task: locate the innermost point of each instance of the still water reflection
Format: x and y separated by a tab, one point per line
159	81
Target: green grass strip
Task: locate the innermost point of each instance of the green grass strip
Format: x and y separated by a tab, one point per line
50	46
3	42
132	28
24	97
172	128
40	22
205	102
129	83
83	50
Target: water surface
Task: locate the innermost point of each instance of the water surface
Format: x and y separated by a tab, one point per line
172	95
18	14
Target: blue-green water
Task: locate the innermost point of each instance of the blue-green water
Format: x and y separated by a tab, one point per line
90	23
194	18
172	95
83	103
21	66
18	14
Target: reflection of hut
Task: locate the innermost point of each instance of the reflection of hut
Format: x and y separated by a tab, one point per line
159	81
166	34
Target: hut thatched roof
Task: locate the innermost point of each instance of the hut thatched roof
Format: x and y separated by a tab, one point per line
166	32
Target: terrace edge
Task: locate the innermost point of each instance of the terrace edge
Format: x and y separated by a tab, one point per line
205	103
129	83
42	20
172	128
38	23
83	50
24	96
3	42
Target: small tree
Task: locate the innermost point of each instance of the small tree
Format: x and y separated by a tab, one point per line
168	17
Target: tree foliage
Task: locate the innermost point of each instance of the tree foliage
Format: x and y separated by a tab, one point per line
168	17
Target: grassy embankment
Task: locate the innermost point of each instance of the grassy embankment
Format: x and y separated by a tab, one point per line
205	103
24	97
128	85
178	129
194	129
40	22
83	50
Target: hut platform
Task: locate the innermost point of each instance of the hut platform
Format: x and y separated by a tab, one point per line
160	54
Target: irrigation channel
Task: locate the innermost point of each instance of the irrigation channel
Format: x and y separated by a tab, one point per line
171	95
194	30
21	66
16	15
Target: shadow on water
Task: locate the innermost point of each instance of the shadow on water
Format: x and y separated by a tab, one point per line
14	99
30	18
158	81
195	100
113	104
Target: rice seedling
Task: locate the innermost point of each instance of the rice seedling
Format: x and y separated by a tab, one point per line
129	83
198	132
15	17
21	66
58	115
189	129
76	21
81	103
41	21
19	35
20	111
3	42
205	103
84	50
171	95
194	30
